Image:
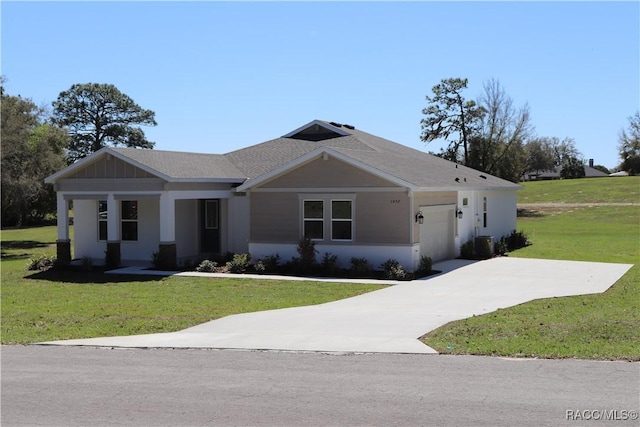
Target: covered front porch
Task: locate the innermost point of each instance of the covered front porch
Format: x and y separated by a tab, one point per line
132	228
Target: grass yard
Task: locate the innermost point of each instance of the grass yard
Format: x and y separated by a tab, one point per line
601	326
593	190
65	305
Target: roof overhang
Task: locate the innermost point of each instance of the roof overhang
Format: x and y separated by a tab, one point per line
108	151
319	153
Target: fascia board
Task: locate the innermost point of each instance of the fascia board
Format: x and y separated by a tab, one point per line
210	180
516	187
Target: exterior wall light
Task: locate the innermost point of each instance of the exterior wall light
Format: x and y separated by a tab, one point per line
459	213
419	217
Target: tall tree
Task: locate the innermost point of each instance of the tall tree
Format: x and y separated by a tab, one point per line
31	150
97	115
449	115
540	155
498	146
630	146
564	150
572	167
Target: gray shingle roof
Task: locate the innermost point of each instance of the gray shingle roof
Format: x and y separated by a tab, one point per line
415	167
181	165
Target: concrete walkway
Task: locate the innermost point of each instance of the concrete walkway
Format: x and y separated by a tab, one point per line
389	320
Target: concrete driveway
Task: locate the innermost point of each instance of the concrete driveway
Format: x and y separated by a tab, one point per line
392	319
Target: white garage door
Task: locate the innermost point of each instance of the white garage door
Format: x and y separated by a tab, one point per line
436	235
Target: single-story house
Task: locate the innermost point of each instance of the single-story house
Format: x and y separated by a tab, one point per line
353	193
589	172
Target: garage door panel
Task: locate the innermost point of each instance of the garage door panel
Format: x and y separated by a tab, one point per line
436	235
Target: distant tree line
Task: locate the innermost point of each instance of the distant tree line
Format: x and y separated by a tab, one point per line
37	142
493	135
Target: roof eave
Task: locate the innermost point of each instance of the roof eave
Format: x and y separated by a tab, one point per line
515	187
210	180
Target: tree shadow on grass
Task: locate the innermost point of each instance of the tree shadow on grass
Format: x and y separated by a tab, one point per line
8	257
529	213
95	276
13	245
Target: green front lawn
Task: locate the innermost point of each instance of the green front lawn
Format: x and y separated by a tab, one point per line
65	305
589	190
601	326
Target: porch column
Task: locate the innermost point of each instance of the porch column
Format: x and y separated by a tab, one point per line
167	254
113	257
63	243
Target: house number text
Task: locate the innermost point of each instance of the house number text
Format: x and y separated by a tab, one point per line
395	201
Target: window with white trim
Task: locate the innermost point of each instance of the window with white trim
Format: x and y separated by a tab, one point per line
129	220
341	220
313	219
102	220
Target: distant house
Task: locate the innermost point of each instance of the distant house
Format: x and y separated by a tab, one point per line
353	193
589	172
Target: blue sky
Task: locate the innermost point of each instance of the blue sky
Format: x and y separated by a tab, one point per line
225	75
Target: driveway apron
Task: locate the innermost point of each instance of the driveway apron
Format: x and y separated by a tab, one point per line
392	319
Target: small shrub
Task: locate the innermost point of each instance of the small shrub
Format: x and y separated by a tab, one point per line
259	266
501	246
239	263
41	262
360	266
393	270
271	262
425	264
207	266
329	263
467	251
517	240
307	251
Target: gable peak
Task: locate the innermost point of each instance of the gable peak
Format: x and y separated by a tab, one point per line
319	130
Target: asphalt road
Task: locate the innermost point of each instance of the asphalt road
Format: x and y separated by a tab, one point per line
84	386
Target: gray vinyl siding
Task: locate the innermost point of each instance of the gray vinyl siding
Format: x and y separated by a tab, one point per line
381	218
274	218
331	173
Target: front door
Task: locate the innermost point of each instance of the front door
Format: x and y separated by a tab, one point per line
210	226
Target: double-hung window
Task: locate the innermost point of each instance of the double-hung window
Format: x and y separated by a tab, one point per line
129	224
313	219
341	220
